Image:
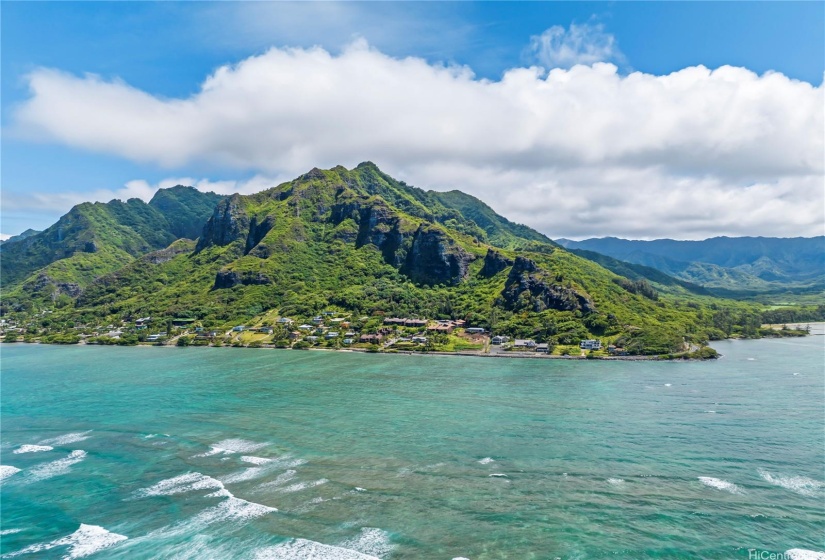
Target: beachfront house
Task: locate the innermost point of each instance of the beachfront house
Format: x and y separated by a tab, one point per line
331	334
499	339
590	344
524	344
544	348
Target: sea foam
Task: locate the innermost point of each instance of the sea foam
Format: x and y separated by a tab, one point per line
32	449
720	484
800	484
7	471
302	549
802	554
56	468
66	439
486	460
232	445
370	541
302	486
87	540
180	484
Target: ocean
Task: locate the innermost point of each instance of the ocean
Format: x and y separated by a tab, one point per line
276	454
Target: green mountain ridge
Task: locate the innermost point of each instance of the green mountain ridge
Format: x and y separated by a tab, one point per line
360	242
742	266
95	238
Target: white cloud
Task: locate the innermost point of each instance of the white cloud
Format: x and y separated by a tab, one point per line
572	152
4	236
587	43
56	204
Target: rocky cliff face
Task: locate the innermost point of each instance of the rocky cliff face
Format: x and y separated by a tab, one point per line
228	223
528	288
435	259
494	262
231	278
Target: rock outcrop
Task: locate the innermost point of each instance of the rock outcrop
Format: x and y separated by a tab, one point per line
527	287
231	278
434	258
229	222
494	262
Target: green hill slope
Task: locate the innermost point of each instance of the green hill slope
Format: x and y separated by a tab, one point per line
366	245
93	239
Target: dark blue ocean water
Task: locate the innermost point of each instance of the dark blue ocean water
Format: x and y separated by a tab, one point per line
239	453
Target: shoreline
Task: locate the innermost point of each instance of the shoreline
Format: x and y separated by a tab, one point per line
505	355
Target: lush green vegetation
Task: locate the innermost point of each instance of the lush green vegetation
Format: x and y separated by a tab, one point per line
358	242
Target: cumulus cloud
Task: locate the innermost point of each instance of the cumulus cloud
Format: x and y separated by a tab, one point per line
583	151
586	43
59	203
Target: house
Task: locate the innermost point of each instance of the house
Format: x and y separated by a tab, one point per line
331	334
349	334
329	313
442	326
265	330
306	327
544	348
415	322
590	344
153	337
239	328
393	321
421	339
317	320
285	321
615	351
371	338
474	330
523	344
498	339
294	334
348	341
312	339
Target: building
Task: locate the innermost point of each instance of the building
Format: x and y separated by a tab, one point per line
590	344
285	321
499	339
371	338
524	344
239	328
474	330
544	348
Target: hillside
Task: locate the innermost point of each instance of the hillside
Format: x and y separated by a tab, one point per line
730	266
358	244
93	239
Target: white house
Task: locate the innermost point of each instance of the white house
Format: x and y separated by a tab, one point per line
590	344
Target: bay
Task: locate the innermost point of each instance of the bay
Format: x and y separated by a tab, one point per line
241	453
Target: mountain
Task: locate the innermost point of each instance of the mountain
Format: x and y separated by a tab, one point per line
740	265
95	238
367	246
24	235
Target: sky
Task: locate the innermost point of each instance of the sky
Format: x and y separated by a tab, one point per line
640	120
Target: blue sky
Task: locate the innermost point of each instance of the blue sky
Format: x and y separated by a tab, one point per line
167	50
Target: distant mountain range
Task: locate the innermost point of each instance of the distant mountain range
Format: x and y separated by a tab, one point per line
734	266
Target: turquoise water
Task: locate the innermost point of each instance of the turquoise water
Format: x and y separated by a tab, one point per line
238	453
